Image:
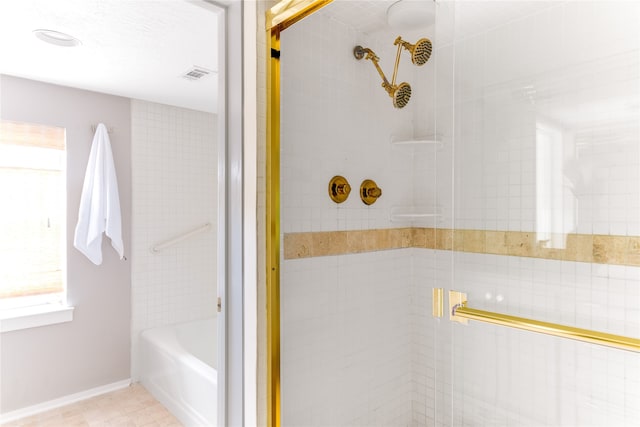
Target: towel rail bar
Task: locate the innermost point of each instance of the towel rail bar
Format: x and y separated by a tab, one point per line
170	242
460	312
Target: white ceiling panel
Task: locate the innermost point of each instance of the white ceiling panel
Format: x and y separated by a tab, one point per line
133	48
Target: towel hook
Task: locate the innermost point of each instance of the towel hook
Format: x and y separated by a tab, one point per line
95	127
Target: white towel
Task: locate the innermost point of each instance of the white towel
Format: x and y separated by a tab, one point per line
100	203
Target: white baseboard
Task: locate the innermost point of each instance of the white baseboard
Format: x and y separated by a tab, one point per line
62	401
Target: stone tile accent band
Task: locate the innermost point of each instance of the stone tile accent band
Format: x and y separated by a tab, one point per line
600	249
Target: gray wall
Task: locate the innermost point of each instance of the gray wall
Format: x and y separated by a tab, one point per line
45	363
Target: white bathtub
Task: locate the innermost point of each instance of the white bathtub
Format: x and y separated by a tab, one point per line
178	367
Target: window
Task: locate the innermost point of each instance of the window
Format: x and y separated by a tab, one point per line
555	200
33	214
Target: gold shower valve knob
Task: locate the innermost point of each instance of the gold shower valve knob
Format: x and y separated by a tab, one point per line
339	189
374	192
369	192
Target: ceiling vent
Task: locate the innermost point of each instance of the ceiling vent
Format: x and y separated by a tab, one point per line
196	73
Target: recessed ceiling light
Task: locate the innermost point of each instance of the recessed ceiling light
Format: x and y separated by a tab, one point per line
57	38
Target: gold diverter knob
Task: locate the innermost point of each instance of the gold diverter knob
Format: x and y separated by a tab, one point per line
369	192
339	189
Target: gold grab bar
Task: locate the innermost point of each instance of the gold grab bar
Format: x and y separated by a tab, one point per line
459	312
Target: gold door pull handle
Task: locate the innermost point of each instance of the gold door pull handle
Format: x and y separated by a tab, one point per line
369	191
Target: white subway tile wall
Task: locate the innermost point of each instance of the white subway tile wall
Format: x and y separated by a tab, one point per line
346	320
338	120
346	340
544	137
504	376
537	111
174	157
546	118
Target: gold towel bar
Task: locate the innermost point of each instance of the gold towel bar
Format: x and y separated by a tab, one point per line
460	312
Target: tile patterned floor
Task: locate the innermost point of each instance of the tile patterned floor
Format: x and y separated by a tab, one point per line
129	407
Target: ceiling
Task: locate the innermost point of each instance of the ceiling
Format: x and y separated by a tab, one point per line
134	48
142	48
465	17
363	16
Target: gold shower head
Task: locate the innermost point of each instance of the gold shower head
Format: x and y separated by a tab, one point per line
400	93
420	51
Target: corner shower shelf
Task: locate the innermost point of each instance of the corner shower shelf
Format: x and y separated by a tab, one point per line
418	142
414	213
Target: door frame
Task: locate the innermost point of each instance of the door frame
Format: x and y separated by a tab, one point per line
231	224
280	17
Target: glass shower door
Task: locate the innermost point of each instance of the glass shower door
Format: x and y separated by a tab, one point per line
545	214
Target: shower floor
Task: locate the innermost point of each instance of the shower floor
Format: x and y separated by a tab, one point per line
131	407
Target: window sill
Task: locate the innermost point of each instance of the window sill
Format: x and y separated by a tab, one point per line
32	317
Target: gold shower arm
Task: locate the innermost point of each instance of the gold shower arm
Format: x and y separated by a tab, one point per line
367	53
395	67
401	43
459	312
398	41
399	93
375	59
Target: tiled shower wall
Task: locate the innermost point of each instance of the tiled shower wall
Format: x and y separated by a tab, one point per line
545	140
553	95
346	323
174	157
537	114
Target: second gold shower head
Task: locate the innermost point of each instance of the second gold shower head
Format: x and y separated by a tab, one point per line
420	51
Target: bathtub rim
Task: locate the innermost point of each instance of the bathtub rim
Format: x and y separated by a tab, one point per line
165	338
163	342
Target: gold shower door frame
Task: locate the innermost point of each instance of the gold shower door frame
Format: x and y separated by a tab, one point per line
278	18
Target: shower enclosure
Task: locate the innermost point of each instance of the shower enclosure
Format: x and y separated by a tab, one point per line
512	175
